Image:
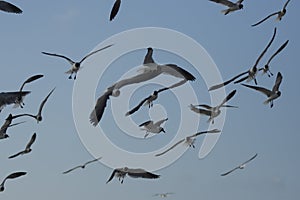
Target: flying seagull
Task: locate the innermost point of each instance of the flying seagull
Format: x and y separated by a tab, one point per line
8	7
75	65
189	141
251	73
11	176
120	173
151	127
163	195
115	10
7	98
266	68
271	94
82	166
241	166
27	148
38	116
231	6
213	112
6	125
149	70
279	14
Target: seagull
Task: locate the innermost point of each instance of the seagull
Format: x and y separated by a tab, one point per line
251	73
152	127
134	173
27	148
271	94
75	65
7	98
266	69
231	6
11	176
38	116
163	195
82	166
8	7
149	70
6	125
189	141
242	166
213	112
279	14
115	10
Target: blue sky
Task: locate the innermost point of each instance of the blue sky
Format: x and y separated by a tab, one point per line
74	29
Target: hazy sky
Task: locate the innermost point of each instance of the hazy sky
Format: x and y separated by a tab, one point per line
74	28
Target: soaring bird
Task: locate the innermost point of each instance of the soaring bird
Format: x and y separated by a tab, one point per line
251	73
27	148
115	9
11	176
151	127
189	141
210	111
82	166
271	94
8	7
163	195
38	116
241	166
6	125
266	68
120	173
75	65
7	98
149	70
231	6
279	14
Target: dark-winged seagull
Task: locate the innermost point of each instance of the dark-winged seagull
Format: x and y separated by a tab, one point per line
231	6
11	176
115	9
163	195
151	127
6	125
27	148
10	8
82	166
7	98
120	173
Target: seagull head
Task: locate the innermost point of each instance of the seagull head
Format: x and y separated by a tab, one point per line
278	93
162	130
116	93
241	6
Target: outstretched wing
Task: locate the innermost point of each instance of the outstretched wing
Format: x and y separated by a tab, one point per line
115	10
68	171
277	82
33	137
158	123
44	101
61	56
138	106
224	174
226	82
112	175
204	132
30	79
285	5
91	161
227	98
141	173
8	7
15	155
85	57
278	51
260	89
98	111
264	19
146	123
244	163
172	147
177	71
14	175
224	2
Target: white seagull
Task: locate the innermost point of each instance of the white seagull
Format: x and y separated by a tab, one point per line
241	166
149	70
11	176
210	111
279	14
120	173
231	6
27	148
82	166
189	141
115	9
75	65
271	94
10	8
151	127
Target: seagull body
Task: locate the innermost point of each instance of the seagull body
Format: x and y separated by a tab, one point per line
213	112
189	141
10	8
279	14
115	9
231	6
163	195
11	176
120	173
82	166
75	65
152	127
7	98
271	94
241	166
27	148
149	70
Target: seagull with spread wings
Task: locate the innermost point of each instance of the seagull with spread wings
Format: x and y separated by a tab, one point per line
163	195
241	166
231	6
10	8
210	111
271	94
6	125
27	148
75	65
82	166
279	14
189	141
115	9
151	127
11	176
120	173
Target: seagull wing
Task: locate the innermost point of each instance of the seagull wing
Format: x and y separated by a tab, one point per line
138	106
224	2
228	97
68	171
278	51
8	7
14	175
244	163
163	89
205	106
201	111
158	123
260	89
115	10
227	82
141	173
204	132
88	55
30	79
177	71
61	56
224	174
277	82
285	5
264	19
91	161
44	101
146	123
112	175
98	111
15	155
33	137
172	147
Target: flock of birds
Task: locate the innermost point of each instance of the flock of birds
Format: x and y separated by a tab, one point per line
149	70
